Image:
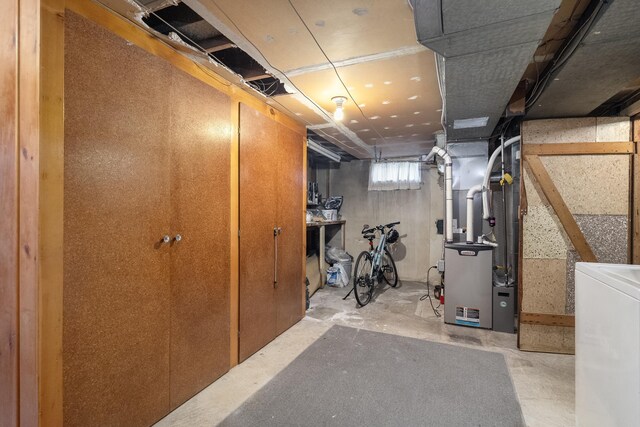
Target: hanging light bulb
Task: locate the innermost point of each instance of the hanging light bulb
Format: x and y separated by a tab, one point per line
339	113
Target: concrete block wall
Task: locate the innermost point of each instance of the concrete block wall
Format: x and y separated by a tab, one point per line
419	246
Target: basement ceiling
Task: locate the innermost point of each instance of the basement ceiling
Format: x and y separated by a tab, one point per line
605	63
365	50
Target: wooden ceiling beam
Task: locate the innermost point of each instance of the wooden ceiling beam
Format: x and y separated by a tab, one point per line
215	44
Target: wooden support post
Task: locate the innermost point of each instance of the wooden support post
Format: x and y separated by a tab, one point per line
569	224
9	166
635	195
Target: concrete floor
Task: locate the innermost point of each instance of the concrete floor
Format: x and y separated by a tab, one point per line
544	382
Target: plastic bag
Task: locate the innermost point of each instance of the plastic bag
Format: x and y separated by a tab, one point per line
332	276
343	277
334	255
337	276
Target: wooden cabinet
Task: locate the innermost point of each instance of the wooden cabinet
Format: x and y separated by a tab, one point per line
199	276
145	323
271	234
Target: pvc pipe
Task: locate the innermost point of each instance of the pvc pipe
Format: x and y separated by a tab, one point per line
487	175
472	192
448	190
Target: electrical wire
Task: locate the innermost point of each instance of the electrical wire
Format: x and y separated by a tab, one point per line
267	61
563	56
428	295
195	45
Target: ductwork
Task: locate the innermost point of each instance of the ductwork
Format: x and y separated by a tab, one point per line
448	190
485	47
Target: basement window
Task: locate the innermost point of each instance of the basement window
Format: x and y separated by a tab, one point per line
386	176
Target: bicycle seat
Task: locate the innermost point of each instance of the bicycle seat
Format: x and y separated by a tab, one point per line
369	236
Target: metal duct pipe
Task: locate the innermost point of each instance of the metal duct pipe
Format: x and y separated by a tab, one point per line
448	190
472	192
487	175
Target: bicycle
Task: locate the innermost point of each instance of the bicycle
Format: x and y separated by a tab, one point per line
376	264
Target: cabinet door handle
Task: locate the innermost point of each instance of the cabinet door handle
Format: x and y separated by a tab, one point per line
276	231
166	238
177	238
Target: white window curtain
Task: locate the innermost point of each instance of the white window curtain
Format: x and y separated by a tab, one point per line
386	176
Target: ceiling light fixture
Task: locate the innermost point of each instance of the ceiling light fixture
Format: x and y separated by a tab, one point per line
339	113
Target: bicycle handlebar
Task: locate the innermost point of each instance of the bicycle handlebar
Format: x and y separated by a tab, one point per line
379	227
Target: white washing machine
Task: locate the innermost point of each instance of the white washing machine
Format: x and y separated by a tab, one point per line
607	344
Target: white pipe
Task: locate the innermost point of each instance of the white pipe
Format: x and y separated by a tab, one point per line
487	175
448	190
472	192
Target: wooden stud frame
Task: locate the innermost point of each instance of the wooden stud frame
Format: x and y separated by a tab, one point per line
531	160
635	194
540	174
565	320
579	148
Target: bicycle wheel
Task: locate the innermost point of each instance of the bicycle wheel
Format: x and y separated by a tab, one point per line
389	272
363	282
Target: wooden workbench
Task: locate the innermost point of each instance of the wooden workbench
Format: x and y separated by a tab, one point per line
320	225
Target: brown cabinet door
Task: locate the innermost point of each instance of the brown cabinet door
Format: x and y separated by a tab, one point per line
258	183
116	211
199	134
290	289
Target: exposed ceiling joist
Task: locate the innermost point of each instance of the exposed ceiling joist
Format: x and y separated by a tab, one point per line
216	44
605	63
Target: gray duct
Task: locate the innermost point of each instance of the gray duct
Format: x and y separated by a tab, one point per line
486	46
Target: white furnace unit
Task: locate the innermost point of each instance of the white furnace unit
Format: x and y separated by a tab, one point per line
468	287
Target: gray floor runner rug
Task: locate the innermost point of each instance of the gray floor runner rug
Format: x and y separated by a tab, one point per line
353	377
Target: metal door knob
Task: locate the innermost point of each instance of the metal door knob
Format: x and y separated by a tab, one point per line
178	237
166	238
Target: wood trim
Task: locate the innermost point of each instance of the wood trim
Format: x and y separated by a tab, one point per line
134	34
29	140
9	165
304	224
635	195
51	203
234	237
633	232
522	210
578	148
565	320
569	224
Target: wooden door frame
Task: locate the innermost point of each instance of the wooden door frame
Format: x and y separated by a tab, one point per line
34	364
538	173
32	318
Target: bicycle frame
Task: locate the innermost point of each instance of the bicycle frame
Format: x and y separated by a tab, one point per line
376	255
